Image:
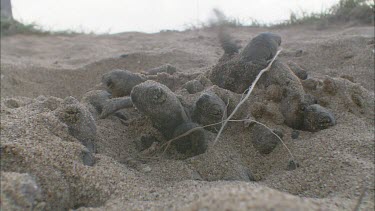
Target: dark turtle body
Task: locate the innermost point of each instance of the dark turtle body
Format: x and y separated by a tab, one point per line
261	48
209	109
121	82
158	102
317	118
161	105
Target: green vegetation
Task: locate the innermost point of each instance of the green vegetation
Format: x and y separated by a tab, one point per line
11	27
356	11
359	10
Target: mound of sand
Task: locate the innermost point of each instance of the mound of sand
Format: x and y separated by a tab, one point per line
46	167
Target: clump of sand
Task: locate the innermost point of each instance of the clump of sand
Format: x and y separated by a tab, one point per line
40	156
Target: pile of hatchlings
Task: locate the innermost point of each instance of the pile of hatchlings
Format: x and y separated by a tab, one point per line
217	93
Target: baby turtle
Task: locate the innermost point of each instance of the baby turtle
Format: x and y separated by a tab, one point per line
209	109
115	104
194	143
193	86
79	120
96	100
102	105
158	102
317	118
261	48
262	139
120	82
239	71
161	105
235	74
293	99
298	70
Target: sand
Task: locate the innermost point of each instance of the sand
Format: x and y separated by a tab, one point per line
43	164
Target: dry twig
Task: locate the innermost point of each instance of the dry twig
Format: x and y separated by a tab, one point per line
359	202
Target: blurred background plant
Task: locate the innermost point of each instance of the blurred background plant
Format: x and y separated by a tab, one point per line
345	11
355	11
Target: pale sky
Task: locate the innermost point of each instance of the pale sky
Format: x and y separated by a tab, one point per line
152	15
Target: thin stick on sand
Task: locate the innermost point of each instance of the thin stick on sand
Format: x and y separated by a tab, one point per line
246	97
358	205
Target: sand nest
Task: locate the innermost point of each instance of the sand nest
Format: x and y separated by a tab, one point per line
49	164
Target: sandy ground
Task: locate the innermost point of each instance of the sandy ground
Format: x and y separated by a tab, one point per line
42	165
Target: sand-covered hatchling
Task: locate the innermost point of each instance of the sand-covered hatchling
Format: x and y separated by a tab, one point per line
261	48
298	108
193	86
263	140
238	72
161	105
234	74
79	120
298	70
158	102
113	105
293	100
101	104
95	100
121	82
209	109
195	143
317	118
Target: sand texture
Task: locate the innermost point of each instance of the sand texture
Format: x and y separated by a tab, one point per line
58	154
